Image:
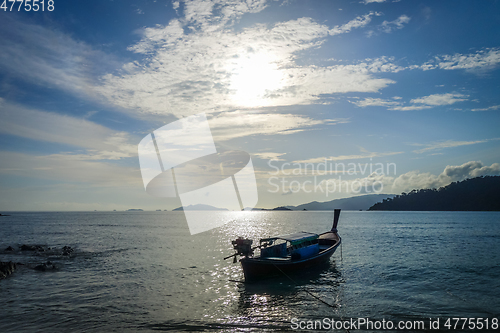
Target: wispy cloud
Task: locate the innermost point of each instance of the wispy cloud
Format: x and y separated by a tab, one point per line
69	169
99	142
358	22
399	23
372	1
270	156
203	13
376	102
420	103
390	26
490	108
447	144
363	155
411	107
440	99
49	58
230	125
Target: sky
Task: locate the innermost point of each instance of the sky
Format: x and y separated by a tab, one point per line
331	99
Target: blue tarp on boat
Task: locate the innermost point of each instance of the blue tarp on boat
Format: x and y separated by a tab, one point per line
298	237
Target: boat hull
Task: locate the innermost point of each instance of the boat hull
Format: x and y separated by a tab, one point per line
258	268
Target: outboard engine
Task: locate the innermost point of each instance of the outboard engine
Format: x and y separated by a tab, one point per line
243	247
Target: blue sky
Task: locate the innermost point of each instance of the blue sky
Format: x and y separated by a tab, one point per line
361	84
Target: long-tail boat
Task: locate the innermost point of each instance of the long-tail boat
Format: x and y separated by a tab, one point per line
285	254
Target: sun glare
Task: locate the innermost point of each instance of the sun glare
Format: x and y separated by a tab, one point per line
253	77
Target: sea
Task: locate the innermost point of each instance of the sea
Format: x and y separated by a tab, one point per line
144	272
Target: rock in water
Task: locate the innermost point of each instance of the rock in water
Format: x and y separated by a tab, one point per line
67	250
45	267
39	248
6	268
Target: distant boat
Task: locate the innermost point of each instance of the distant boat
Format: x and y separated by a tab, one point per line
285	254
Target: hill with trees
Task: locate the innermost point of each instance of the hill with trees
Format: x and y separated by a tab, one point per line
476	194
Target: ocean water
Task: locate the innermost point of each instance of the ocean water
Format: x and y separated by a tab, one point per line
144	272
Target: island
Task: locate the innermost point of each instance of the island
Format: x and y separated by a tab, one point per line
198	207
281	208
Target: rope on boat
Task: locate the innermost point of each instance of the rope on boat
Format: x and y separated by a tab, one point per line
311	294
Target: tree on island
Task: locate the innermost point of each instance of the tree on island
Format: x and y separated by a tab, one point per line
476	194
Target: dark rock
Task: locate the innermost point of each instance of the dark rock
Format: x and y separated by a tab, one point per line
6	268
67	250
25	247
39	248
10	248
41	267
45	267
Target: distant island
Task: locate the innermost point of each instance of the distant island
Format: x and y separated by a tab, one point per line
476	194
134	210
361	202
277	208
198	207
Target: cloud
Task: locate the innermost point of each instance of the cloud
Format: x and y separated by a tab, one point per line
389	26
230	125
413	180
371	184
50	58
471	169
482	60
448	144
411	107
493	107
186	69
416	180
270	156
377	65
372	1
347	157
203	13
420	103
99	141
221	69
68	169
358	22
376	102
440	99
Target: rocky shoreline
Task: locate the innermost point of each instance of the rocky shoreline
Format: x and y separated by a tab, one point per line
9	267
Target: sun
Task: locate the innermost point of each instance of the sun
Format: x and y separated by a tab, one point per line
253	77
